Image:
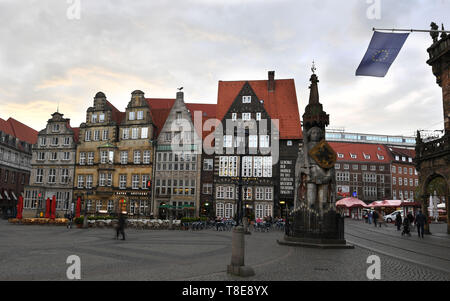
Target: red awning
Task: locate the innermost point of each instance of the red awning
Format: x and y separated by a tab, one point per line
351	203
386	203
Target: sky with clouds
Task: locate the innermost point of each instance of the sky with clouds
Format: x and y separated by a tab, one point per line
50	55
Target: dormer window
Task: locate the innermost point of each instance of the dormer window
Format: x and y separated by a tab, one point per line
353	156
397	158
366	156
410	160
258	116
340	155
403	158
246	99
233	116
380	157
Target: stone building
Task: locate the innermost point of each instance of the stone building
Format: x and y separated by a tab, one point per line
433	157
16	140
53	168
115	157
177	168
260	129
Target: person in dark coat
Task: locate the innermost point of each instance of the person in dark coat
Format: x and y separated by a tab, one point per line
121	227
398	221
406	227
411	219
375	218
421	219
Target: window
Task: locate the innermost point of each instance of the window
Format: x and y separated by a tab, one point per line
353	156
399	170
220	192
253	141
140	115
370	177
267	167
125	134
289	143
207	188
179	116
80	181
227	141
39	175
370	191
168	136
267	210
101	117
43	141
137	157
96	135
146	157
229	192
219	210
381	168
246	116
246	99
259	193
122	181
258	116
228	166
340	155
228	210
94	118
400	181
248	193
131	116
337	166
145	178
247	166
397	158
259	211
416	182
257	166
363	167
410	171
90	158
135	182
264	141
366	156
64	175
53	156
52	175
89	181
343	176
82	158
355	177
66	140
102	179
411	182
346	166
123	157
394	181
111	157
105	135
109	181
55	141
208	164
134	133
355	166
144	133
394	169
405	170
87	136
103	157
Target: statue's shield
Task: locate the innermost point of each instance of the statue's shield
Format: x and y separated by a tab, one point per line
323	154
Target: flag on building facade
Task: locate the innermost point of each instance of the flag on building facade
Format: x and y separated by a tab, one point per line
382	51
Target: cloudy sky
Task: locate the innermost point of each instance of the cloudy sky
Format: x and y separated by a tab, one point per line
64	51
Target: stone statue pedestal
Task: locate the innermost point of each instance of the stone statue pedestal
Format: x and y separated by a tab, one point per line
307	228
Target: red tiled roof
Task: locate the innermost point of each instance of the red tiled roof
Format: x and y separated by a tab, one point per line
280	104
19	130
117	115
377	152
411	153
160	109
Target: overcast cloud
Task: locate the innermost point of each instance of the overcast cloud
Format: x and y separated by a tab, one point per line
118	46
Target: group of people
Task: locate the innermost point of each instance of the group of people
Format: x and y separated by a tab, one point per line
409	220
419	221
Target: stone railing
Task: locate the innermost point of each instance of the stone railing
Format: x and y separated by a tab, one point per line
435	147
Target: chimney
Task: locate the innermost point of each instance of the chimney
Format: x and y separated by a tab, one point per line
271	83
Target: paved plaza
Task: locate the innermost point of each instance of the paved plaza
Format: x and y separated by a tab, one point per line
32	252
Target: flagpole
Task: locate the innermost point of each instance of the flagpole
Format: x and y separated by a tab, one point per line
410	30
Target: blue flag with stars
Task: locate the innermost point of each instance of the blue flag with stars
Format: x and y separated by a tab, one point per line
382	51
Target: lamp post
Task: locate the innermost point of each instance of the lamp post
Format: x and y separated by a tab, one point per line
237	266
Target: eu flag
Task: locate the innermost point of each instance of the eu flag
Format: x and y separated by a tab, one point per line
382	51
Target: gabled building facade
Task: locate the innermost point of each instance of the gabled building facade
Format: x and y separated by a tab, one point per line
53	168
405	178
16	140
260	129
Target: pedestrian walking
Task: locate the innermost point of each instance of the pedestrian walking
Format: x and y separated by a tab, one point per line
421	219
398	221
381	219
375	218
121	227
69	220
410	218
369	217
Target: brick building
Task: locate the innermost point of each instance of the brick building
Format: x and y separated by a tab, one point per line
16	140
405	178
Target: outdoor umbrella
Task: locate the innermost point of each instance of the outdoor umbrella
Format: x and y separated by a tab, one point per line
78	209
19	207
53	207
47	208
